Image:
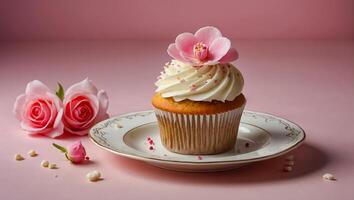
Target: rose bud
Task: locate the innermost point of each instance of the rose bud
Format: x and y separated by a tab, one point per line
75	152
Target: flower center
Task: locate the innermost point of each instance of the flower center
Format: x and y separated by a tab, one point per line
200	51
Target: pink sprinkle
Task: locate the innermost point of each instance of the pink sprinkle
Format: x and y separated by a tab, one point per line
200	158
151	142
151	148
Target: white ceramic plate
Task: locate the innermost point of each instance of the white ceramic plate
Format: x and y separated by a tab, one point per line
261	136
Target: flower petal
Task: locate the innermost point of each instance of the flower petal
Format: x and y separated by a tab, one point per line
190	59
58	122
218	48
83	86
212	62
36	87
103	106
71	124
207	35
32	130
230	56
185	43
56	132
19	106
55	100
174	53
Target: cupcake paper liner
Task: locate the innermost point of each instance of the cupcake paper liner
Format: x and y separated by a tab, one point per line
199	134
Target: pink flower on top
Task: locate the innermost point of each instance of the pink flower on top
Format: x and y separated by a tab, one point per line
206	47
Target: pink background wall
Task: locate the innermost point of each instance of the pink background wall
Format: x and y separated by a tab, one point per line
163	19
310	82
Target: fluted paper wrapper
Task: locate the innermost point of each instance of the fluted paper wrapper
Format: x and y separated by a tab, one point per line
199	134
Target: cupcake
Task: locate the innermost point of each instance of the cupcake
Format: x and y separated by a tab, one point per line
198	100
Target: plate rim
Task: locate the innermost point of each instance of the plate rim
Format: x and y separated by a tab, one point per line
157	160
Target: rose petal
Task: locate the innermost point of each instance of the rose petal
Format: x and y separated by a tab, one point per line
207	35
83	86
230	56
185	43
32	130
19	104
55	100
218	48
90	96
71	124
42	124
93	100
58	121
103	106
35	117
56	132
50	112
37	88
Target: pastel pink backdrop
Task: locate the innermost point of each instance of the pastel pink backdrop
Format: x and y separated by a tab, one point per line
310	82
164	19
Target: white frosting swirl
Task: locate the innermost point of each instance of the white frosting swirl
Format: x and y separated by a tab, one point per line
182	81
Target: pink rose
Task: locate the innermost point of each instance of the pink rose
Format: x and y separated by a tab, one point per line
84	106
39	110
205	47
75	152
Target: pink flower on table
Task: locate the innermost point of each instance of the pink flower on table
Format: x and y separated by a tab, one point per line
206	47
39	110
75	152
84	106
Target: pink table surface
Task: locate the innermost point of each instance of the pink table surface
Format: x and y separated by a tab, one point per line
308	82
